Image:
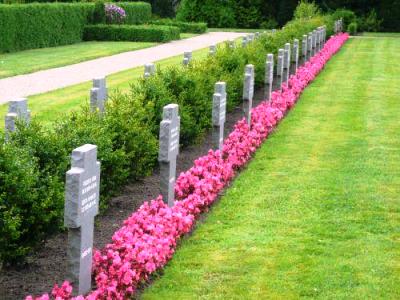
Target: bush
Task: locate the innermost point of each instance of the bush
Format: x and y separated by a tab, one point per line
114	14
99	14
348	17
183	26
136	12
214	13
133	33
370	23
306	10
352	28
42	25
34	162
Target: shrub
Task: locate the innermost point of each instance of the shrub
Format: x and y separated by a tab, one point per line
99	14
114	14
42	25
136	12
352	28
183	26
134	33
347	15
306	10
215	13
370	23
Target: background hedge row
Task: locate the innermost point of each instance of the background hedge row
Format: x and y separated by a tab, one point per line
191	27
133	33
34	161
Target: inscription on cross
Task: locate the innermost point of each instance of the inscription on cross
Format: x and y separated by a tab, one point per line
169	150
248	92
98	94
17	109
219	114
81	206
269	75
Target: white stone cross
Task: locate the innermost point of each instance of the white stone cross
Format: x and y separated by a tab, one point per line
219	114
149	70
82	190
98	94
248	92
169	150
269	75
17	109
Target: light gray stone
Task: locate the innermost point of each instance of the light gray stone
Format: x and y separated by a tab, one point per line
309	45
82	191
149	70
17	110
248	92
169	150
304	47
295	56
212	50
279	66
269	76
286	59
98	94
187	57
219	114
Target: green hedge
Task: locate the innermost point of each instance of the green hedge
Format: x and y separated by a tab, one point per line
42	25
188	27
134	33
34	161
136	12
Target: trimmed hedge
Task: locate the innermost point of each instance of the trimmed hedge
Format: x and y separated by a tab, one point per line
134	33
136	12
183	26
35	159
31	26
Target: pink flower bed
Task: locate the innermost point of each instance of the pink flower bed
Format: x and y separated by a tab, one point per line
148	238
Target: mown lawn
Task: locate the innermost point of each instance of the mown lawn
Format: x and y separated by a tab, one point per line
316	214
29	61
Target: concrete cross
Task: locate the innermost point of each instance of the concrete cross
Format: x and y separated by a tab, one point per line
169	150
98	94
81	206
286	59
304	43
248	92
309	45
149	70
213	50
187	57
17	109
295	57
269	75
279	67
219	114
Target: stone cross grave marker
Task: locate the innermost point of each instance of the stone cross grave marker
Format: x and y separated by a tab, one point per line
309	45
187	57
248	92
244	41
269	75
295	57
17	109
149	70
279	67
304	47
219	114
81	206
315	41
169	150
286	59
98	94
213	50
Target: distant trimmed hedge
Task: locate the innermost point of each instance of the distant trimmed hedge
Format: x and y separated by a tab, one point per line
136	12
134	33
188	27
29	26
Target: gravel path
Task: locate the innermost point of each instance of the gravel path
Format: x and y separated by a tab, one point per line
52	79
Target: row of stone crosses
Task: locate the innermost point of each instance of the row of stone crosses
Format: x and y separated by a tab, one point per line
83	179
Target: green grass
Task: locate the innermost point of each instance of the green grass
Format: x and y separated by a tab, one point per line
381	34
29	61
316	214
52	106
